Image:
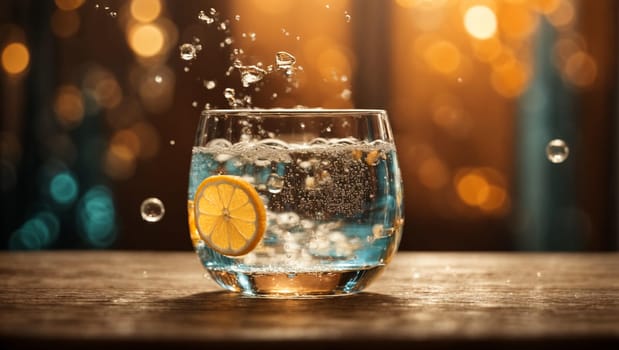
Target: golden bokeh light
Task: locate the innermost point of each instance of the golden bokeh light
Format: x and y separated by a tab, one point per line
433	173
15	58
145	10
495	200
149	139
483	188
443	56
272	7
119	162
69	106
546	6
487	50
580	69
65	23
333	61
518	22
69	5
146	40
472	188
563	15
510	79
480	22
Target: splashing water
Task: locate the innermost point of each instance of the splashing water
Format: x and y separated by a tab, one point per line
251	74
152	209
557	151
284	60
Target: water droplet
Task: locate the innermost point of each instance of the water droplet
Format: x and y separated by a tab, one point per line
212	11
172	142
237	17
327	6
557	151
302	125
113	14
223	26
252	36
188	52
275	183
228	41
229	93
209	84
194	104
284	60
152	209
347	17
186	69
97	6
298	37
274	95
287	220
205	18
158	79
251	74
538	274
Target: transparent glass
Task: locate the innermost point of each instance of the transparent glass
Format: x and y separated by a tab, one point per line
332	189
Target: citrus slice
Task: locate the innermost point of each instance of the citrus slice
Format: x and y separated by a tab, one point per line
229	215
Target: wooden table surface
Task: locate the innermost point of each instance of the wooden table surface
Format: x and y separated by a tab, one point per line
113	299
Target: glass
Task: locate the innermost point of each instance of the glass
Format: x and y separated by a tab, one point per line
330	184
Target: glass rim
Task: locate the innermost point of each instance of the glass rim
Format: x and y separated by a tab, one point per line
295	111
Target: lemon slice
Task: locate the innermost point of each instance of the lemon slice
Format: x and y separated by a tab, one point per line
229	215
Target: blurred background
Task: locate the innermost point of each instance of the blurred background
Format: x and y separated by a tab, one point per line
99	111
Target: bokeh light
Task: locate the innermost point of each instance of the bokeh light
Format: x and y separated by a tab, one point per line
63	188
145	10
146	40
38	232
96	217
15	58
65	24
443	56
480	22
69	106
69	5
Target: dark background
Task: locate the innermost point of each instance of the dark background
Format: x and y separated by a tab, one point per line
87	105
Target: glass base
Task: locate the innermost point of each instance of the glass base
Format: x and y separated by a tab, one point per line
296	284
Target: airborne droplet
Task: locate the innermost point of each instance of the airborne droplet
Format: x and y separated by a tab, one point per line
188	52
284	60
557	151
251	74
152	209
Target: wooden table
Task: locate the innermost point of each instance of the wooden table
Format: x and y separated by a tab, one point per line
112	299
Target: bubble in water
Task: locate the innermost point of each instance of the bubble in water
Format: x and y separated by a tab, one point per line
172	142
158	79
194	104
557	151
229	93
188	52
275	183
152	209
284	60
252	36
251	74
113	14
209	84
186	69
237	17
347	17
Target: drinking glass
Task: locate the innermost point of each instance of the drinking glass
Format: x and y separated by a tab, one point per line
320	198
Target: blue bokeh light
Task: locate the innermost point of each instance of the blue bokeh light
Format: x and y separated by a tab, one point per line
36	233
63	188
96	217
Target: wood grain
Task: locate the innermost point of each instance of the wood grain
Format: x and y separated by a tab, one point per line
435	300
